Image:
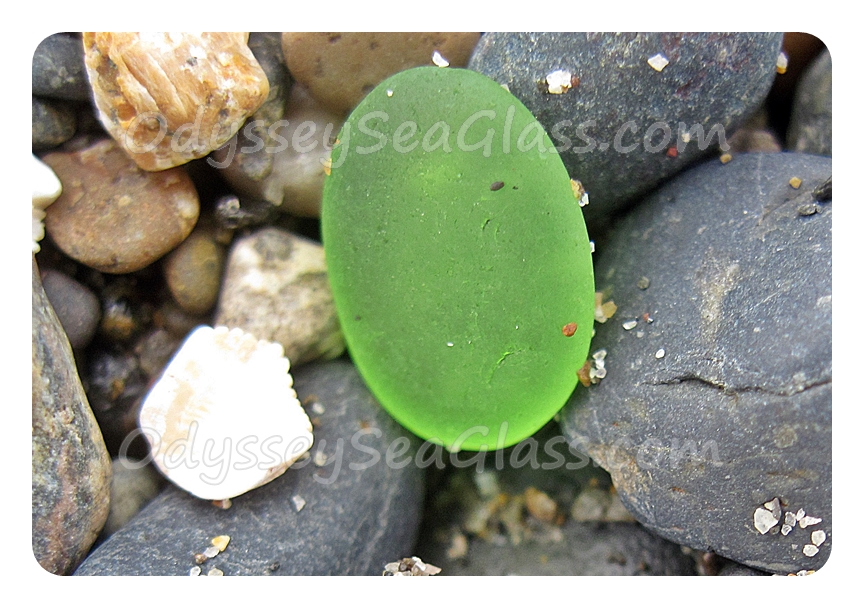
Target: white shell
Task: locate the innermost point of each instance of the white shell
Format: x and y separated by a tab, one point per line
223	418
46	190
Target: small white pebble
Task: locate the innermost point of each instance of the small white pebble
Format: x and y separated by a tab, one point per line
658	62
558	82
389	92
438	60
215	572
628	325
817	537
299	502
320	459
800	514
211	552
317	408
599	354
810	550
583	200
640	334
809	521
195	571
789	519
764	520
785	530
593	249
449	344
600	373
660	353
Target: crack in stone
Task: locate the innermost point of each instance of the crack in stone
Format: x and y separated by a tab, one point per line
738	390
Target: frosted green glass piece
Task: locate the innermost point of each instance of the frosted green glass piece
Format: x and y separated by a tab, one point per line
458	259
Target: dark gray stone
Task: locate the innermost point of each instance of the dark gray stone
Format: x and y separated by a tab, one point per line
71	469
711	79
353	521
738	410
53	123
76	306
810	127
58	68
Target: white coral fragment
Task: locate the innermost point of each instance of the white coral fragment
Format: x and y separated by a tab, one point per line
224	418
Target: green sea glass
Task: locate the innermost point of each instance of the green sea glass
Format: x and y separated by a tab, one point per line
458	258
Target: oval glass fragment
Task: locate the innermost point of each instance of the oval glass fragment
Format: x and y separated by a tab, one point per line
452	293
223	418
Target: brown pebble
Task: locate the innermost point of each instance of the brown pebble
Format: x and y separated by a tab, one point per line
168	98
340	68
496	186
193	272
569	329
114	217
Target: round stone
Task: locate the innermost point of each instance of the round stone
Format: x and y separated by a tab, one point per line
193	272
341	68
76	306
113	216
454	265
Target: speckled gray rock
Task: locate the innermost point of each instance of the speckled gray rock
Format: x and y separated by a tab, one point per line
75	305
810	127
623	114
723	402
58	68
71	469
53	123
276	288
345	517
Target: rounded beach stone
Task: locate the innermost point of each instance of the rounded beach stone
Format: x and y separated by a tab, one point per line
276	288
58	68
114	217
617	122
341	512
340	68
168	98
718	399
193	272
76	306
71	468
53	123
810	128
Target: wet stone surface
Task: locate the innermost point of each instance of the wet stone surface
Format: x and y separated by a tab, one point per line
737	411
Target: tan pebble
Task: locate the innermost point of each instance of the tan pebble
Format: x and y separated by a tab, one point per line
193	272
796	182
168	97
220	542
540	505
276	288
340	68
86	222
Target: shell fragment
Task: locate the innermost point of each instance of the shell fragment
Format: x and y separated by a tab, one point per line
224	419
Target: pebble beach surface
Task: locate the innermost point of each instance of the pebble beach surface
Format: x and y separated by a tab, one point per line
178	182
